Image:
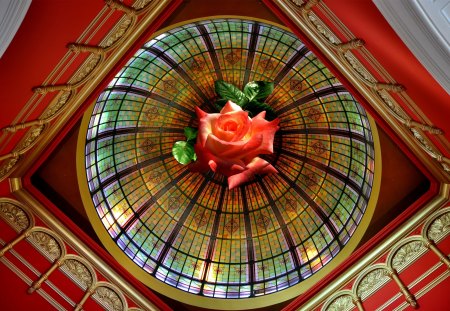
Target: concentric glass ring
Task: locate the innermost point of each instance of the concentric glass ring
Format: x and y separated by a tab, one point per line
187	229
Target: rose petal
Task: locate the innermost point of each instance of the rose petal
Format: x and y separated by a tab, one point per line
261	115
205	127
230	107
206	161
223	127
213	165
239	149
229	143
229	167
256	166
200	113
267	129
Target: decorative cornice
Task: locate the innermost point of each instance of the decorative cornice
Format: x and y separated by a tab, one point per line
377	93
78	269
101	59
400	255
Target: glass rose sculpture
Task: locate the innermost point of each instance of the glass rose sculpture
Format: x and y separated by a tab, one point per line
229	143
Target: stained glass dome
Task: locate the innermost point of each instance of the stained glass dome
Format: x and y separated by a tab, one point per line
187	229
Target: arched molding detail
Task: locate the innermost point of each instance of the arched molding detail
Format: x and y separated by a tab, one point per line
122	29
370	280
25	144
86	70
109	295
437	227
52	247
80	271
47	242
341	301
377	91
380	89
16	215
406	252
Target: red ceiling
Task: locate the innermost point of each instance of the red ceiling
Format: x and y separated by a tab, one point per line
49	25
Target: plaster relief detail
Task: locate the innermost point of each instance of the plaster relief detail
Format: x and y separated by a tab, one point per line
110	298
440	227
85	70
321	28
140	4
341	303
14	215
429	148
117	32
54	108
47	243
30	138
394	107
407	253
358	67
79	271
372	281
8	166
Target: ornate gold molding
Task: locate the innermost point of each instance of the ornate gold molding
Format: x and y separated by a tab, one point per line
78	47
90	260
22	147
79	270
376	92
442	257
427	146
15	215
405	253
51	245
371	280
400	255
107	294
125	29
23	276
349	45
305	6
343	301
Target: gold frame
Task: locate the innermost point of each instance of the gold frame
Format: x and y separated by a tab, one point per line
426	151
220	303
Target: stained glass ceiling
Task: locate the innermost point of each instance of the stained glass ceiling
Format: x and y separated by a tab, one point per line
187	229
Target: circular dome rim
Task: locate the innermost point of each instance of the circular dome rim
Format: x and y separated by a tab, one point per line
213	302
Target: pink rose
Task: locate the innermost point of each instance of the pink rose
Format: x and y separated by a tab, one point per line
229	143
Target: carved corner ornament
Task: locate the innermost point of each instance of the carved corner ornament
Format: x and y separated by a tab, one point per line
300	12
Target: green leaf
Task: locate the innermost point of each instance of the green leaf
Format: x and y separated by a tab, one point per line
230	92
255	107
183	152
258	90
190	133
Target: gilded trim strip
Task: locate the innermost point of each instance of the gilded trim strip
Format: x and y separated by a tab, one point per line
375	92
95	67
